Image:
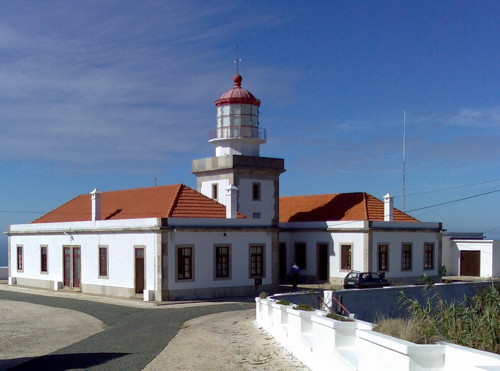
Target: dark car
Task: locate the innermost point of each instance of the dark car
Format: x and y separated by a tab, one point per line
358	280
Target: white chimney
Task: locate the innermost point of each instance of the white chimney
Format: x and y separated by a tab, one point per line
388	208
96	204
232	205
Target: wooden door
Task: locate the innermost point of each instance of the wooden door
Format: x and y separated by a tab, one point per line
322	262
470	263
77	268
139	270
67	266
283	268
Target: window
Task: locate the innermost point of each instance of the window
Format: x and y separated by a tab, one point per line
406	256
345	257
300	255
103	261
184	263
215	191
256	215
256	191
19	258
43	259
222	261
428	256
383	257
256	261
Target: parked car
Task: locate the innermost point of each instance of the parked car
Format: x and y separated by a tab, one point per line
358	280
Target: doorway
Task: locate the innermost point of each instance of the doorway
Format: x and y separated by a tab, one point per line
72	267
470	263
139	270
322	255
282	262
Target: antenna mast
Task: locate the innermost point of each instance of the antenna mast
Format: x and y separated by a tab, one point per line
238	59
404	160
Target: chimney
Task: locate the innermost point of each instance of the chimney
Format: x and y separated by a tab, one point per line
96	204
388	208
232	205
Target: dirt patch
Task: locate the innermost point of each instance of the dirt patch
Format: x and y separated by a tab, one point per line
224	341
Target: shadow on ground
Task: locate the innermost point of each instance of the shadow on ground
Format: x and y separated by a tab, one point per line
56	362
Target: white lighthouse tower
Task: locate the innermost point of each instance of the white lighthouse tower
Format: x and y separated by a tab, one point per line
237	175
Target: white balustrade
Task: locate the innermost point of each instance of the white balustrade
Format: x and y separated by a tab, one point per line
322	343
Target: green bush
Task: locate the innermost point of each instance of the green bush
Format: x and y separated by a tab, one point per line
263	295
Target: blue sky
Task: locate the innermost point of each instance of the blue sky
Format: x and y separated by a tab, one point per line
115	94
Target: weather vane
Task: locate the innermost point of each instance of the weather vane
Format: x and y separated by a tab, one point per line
238	59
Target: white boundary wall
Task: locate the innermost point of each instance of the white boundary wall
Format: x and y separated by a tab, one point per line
322	343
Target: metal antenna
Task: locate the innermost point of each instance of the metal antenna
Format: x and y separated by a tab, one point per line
238	59
404	160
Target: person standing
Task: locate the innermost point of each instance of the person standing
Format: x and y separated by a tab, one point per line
294	273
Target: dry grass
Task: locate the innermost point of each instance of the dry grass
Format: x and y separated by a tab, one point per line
405	329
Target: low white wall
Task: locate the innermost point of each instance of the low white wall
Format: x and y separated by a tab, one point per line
322	343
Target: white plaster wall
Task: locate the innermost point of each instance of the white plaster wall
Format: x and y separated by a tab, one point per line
395	239
496	258
203	243
486	254
334	240
222	185
266	204
121	260
450	257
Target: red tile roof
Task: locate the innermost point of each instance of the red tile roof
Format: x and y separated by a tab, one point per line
340	206
171	201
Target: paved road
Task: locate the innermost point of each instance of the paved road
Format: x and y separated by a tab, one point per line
132	338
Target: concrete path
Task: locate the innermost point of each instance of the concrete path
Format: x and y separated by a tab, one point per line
41	329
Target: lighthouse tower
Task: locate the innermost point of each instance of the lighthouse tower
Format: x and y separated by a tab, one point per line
237	176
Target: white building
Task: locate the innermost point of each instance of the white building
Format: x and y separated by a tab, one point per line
233	236
470	254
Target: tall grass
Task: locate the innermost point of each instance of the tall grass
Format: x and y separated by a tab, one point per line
474	322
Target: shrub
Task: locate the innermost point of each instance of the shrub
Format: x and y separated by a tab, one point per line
283	302
263	295
338	317
304	307
474	322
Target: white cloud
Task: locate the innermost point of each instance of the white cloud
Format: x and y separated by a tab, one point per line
466	117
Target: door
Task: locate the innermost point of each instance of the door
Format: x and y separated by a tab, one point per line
283	266
323	262
139	270
470	263
67	266
77	267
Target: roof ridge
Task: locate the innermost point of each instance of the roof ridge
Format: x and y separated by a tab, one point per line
367	209
175	200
